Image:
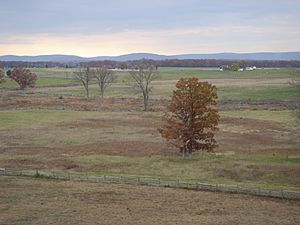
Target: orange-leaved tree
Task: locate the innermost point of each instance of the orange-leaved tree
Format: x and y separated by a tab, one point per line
192	117
24	77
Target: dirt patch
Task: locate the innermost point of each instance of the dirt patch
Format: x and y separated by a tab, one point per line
16	100
282	172
251	136
236	135
109	123
129	148
92	124
258	105
255	124
63	164
38	201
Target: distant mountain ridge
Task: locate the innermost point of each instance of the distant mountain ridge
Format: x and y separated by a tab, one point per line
136	56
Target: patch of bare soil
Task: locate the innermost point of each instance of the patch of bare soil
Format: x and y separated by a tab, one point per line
250	136
109	123
63	164
15	100
70	103
236	136
255	124
129	148
37	201
258	105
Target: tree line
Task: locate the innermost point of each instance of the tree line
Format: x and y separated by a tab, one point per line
157	63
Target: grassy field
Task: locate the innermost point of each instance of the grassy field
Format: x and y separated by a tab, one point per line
127	143
174	73
53	72
169	73
283	92
264	84
43	82
256	147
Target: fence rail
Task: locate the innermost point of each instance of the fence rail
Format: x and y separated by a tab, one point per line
285	194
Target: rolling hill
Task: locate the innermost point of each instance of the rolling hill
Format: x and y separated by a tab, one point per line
137	56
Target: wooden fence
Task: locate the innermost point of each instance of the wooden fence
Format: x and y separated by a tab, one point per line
284	194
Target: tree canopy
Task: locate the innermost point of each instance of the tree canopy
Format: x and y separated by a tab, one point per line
24	77
143	75
105	78
84	76
192	117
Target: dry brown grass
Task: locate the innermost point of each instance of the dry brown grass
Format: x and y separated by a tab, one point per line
41	201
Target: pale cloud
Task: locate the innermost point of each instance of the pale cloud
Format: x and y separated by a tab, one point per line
200	39
99	27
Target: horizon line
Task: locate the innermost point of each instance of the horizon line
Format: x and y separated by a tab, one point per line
122	54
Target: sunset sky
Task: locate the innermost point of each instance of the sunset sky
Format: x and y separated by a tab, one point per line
114	27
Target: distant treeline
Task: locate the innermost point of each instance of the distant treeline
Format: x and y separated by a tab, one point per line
158	63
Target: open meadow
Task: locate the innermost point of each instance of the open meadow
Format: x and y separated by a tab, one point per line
54	127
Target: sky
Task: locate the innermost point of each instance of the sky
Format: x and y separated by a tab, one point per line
114	27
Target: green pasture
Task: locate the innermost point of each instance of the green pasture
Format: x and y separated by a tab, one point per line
171	73
276	93
63	81
175	73
237	93
54	72
42	82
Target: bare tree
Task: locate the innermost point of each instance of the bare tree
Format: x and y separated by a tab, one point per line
104	77
84	76
143	76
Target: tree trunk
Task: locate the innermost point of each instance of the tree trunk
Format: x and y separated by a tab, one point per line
185	154
87	92
102	90
145	101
